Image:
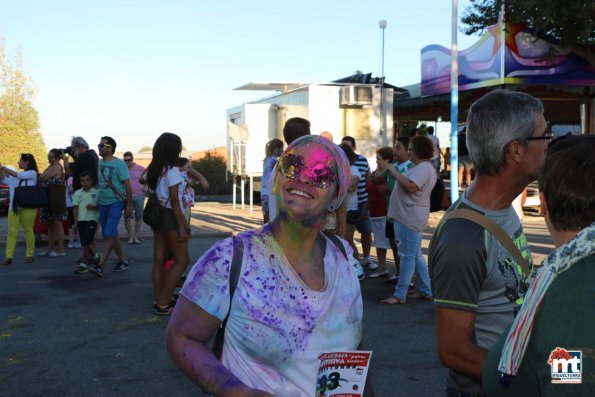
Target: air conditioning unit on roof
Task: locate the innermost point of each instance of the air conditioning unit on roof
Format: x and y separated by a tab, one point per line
355	95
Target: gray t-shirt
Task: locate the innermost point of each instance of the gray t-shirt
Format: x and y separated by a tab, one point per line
413	209
471	271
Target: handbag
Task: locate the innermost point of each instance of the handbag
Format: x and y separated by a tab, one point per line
152	211
439	200
28	197
56	198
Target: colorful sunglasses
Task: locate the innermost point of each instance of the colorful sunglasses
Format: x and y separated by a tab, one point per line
320	175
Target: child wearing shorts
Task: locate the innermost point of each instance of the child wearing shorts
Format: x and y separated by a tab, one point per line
86	216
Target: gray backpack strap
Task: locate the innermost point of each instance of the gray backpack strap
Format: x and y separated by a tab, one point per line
234	277
494	229
337	242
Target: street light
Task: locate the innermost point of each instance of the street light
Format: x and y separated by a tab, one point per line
382	25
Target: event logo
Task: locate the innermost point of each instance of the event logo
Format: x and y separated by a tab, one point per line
566	365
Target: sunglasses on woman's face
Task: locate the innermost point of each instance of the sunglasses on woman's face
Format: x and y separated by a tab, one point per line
319	175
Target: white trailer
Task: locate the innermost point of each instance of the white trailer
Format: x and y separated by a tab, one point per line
363	111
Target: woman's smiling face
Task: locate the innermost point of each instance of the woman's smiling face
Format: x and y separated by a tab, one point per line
307	181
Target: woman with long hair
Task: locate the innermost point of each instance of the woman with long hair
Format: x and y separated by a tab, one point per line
171	235
20	216
54	175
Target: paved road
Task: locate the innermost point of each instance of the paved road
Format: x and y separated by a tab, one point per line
68	335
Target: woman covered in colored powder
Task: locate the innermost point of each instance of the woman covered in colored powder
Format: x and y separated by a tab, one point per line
297	295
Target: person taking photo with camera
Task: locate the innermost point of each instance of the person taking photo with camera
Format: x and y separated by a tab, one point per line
84	160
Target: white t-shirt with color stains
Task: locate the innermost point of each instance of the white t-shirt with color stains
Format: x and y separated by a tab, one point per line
278	326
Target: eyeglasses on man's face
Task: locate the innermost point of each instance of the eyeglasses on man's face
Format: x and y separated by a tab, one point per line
102	145
545	137
319	175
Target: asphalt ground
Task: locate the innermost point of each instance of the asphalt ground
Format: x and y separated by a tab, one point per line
63	334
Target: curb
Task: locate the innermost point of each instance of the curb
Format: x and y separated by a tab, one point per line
213	234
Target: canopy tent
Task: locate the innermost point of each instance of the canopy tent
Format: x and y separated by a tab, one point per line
505	57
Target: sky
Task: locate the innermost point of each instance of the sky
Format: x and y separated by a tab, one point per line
134	69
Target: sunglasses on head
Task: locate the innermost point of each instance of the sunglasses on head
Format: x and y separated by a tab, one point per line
319	175
102	145
25	156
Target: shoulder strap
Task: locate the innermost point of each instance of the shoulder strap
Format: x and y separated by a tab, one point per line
494	229
337	242
234	277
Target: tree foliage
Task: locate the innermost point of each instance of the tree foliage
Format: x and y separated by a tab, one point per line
564	23
19	121
213	167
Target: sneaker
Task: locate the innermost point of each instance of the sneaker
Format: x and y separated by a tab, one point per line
357	269
97	258
393	280
82	268
55	254
70	245
163	310
44	253
96	270
378	274
121	266
369	263
76	244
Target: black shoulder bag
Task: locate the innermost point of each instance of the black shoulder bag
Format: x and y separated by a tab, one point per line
28	196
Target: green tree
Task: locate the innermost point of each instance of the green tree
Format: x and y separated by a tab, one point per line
213	167
564	23
19	121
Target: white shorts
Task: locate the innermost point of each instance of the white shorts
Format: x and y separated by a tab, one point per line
379	231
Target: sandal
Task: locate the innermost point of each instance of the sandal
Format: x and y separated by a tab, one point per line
163	310
420	296
392	300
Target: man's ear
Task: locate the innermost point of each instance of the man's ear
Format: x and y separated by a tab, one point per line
514	151
542	205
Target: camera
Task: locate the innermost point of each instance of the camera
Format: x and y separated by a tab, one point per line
67	150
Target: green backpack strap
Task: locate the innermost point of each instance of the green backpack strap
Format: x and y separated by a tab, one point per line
494	229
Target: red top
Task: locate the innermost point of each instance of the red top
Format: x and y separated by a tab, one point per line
377	193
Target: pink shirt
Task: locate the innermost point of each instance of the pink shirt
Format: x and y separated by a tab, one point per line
134	174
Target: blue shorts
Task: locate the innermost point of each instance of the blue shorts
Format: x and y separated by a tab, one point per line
138	203
109	217
363	225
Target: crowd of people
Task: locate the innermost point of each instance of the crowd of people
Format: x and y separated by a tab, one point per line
84	193
267	290
275	297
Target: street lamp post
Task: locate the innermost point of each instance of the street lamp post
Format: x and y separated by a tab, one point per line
382	26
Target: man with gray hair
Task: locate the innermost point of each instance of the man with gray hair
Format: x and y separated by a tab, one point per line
478	286
85	159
